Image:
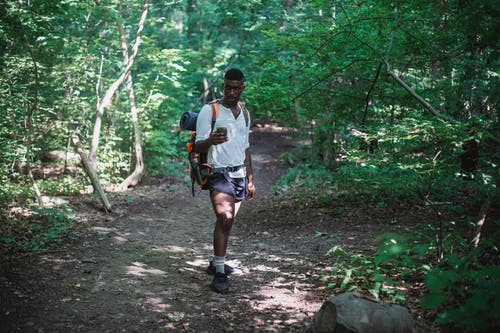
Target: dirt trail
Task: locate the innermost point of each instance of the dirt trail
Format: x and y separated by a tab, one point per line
142	269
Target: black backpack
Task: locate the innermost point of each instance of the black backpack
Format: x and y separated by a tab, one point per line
199	168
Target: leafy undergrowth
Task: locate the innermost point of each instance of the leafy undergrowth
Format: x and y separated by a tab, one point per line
460	291
34	230
434	265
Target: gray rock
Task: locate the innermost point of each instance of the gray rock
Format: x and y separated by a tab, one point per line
352	313
59	156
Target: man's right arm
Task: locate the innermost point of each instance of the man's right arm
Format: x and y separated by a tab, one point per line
202	146
205	139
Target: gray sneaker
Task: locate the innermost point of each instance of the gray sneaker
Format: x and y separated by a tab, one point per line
220	283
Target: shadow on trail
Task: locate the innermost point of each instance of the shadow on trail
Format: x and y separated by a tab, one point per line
144	269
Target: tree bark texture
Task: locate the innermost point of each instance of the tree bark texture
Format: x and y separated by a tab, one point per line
480	222
135	177
106	101
92	175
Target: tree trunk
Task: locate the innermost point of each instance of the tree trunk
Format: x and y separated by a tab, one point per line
368	94
91	173
32	107
107	99
191	9
136	176
480	222
206	89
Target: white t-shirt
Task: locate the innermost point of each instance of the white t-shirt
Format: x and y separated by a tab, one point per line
232	152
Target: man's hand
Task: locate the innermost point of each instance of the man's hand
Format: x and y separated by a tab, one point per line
250	190
250	183
218	137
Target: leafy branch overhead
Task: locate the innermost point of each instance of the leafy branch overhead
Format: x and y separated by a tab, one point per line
396	103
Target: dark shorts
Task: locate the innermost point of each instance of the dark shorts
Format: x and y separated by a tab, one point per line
237	187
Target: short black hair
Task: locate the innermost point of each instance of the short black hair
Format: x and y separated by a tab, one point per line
234	75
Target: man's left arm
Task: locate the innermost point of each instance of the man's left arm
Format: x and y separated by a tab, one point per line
250	185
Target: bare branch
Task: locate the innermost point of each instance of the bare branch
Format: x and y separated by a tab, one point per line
414	94
98	83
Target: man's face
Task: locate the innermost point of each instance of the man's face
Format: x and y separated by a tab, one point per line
232	90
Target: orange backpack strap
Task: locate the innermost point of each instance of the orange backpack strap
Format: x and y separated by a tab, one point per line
246	114
214	113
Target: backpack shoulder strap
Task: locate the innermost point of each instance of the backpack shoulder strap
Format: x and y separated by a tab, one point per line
214	113
246	114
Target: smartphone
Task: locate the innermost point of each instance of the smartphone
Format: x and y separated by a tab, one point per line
222	130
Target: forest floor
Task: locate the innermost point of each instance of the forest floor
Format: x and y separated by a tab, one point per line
142	267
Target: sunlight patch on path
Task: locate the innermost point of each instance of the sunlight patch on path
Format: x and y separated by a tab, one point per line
181	249
140	269
290	295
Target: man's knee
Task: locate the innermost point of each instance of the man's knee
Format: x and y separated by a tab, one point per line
225	222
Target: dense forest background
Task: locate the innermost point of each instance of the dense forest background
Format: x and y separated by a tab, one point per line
397	98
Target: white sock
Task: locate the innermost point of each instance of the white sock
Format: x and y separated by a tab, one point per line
219	264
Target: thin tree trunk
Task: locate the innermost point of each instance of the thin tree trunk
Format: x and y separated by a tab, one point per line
191	9
139	169
426	104
136	176
106	101
87	166
151	92
480	223
368	95
206	89
32	107
414	94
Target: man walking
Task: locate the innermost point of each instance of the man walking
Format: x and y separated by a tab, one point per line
228	150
